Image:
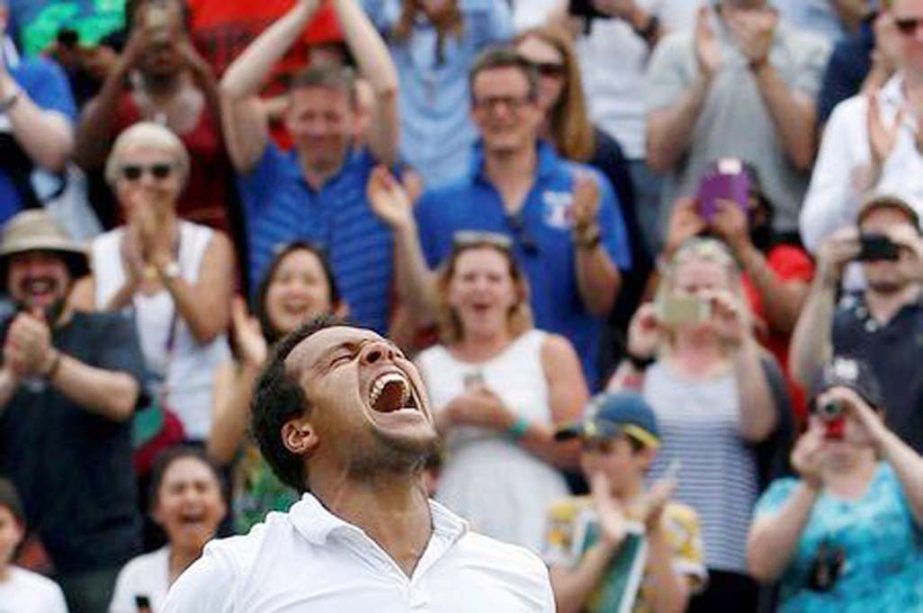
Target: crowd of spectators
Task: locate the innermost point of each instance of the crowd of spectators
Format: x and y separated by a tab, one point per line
659	262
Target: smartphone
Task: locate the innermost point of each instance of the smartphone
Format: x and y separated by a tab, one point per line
157	23
876	247
672	472
682	309
474	380
585	8
728	182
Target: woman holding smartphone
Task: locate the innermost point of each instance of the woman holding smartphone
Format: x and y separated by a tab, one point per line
720	403
499	389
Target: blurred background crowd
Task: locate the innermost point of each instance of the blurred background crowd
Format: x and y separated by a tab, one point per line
690	227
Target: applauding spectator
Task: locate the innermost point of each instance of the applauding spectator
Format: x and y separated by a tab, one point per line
871	142
743	83
563	220
317	192
161	78
36	111
175	276
434	43
499	388
878	324
620	440
846	534
69	383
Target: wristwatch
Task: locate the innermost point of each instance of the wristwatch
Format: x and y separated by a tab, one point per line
588	238
170	271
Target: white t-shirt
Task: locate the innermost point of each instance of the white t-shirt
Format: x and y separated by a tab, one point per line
146	575
28	592
311	560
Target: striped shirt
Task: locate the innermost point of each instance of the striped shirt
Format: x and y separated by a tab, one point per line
699	426
281	207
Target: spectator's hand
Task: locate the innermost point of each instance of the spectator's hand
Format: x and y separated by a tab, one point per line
910	246
882	136
835	253
248	336
707	47
612	523
389	200
753	30
479	407
808	456
134	49
728	318
31	339
191	58
685	223
586	201
730	223
655	501
644	332
872	427
620	9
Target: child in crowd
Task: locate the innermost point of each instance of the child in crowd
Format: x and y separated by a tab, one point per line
21	590
593	541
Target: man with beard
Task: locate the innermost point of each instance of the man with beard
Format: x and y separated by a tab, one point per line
341	415
69	383
881	325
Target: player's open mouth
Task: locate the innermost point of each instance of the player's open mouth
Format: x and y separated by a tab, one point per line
392	391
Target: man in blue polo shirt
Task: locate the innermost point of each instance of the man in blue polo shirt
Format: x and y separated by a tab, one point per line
36	122
317	191
563	218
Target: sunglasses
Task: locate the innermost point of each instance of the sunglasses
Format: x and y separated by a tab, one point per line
908	26
548	69
512	103
133	172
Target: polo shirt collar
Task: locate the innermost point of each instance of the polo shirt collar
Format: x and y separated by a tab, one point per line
316	524
295	167
548	161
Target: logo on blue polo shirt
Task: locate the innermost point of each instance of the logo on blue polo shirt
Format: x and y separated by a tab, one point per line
557	211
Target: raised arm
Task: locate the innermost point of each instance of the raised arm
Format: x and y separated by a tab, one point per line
670	128
376	65
245	124
598	278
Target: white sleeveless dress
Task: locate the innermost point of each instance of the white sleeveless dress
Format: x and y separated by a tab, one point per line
186	372
500	488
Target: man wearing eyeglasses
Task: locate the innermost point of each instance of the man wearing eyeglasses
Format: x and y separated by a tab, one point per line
563	219
872	141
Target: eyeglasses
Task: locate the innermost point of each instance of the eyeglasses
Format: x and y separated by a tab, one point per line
548	69
517	224
473	238
512	103
908	26
159	171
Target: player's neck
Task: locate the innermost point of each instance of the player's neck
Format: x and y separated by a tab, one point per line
392	509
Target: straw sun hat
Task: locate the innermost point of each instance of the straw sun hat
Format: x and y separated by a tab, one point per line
36	230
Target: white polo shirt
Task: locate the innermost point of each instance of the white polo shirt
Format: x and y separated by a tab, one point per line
311	560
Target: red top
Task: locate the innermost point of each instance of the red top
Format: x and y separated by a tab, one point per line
790	263
206	197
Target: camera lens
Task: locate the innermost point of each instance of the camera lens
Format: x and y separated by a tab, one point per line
830	410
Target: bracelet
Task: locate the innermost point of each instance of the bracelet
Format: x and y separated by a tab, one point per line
650	30
638	363
9	102
756	65
49	374
588	238
518	428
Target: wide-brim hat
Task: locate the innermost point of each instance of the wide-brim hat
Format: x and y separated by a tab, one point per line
36	230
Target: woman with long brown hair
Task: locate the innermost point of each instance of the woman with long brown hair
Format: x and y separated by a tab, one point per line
434	43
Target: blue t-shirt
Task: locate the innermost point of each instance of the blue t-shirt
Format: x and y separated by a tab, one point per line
46	85
281	207
541	234
883	546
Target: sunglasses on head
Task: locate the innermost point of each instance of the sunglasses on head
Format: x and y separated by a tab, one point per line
133	172
908	25
472	238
